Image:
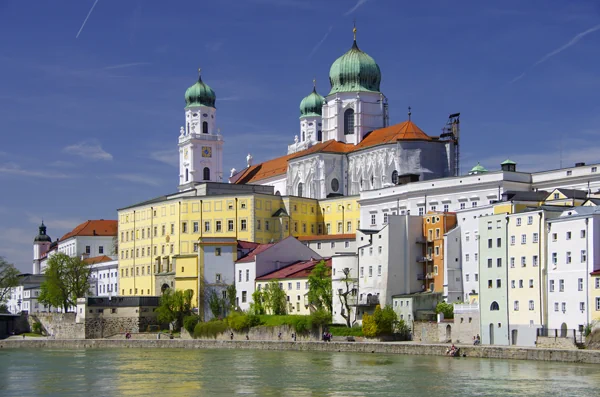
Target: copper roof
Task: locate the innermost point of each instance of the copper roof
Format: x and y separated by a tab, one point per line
299	269
94	228
405	131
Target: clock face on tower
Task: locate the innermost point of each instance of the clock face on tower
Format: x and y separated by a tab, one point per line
206	151
185	153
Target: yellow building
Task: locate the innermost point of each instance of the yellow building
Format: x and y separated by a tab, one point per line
159	239
293	279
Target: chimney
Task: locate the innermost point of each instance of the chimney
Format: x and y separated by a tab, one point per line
94	232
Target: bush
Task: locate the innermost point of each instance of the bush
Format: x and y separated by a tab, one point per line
342	330
369	326
37	328
210	329
385	319
189	323
446	308
320	317
241	321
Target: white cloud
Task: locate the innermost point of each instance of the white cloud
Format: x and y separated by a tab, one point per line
90	149
214	45
16	247
170	157
125	65
136	178
15	169
356	6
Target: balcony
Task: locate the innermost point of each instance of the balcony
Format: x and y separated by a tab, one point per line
372	300
427	258
420	276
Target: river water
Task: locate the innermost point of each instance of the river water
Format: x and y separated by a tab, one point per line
166	372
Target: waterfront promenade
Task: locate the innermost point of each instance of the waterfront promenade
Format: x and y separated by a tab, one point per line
407	348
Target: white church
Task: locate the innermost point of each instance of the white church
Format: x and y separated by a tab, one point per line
345	144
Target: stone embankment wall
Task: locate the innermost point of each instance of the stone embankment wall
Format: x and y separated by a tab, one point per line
59	325
555	343
96	328
514	353
430	332
263	333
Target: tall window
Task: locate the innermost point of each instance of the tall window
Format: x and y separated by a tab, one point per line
300	189
187	175
319	136
205	127
395	177
349	122
303	136
494	306
206	173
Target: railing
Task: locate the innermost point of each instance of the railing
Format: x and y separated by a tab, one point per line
420	276
424	258
573	334
466	308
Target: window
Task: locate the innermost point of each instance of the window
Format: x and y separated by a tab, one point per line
346	244
551	285
494	306
172	228
100	249
243	224
379	270
298	285
467	277
395	177
580	284
498	262
556	196
536	238
183	227
489	243
520	283
554	236
258	224
498	242
437	251
498	283
530	283
218	226
512	284
598	304
466	257
568	256
534	261
217	251
370	251
379	249
195	247
474	204
206	174
370	271
530	220
489	225
582	306
247	274
289	286
564	307
554	258
498	224
240	276
446	208
421	211
518	221
362	271
162	230
583	256
516	306
207	226
523	263
512	240
385	220
476	276
523	239
512	262
568	235
266	226
489	262
463	206
230	225
88	249
561	285
349	122
531	305
594	169
582	233
373	219
243	296
555	306
333	244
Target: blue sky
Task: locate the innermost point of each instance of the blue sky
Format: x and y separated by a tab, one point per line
90	123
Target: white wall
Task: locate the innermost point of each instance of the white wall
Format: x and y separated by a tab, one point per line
453	282
106	278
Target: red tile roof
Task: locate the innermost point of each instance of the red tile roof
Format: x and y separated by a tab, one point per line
300	269
595	273
98	259
249	257
94	228
406	130
245	245
327	237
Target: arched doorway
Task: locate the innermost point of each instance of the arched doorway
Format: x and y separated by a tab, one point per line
514	333
164	287
563	330
448	333
491	333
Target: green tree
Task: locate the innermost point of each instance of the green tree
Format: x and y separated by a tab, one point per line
446	308
258	303
9	278
386	320
320	294
216	304
369	326
275	299
174	306
67	279
231	294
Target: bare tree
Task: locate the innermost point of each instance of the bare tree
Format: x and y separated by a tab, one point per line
343	295
9	278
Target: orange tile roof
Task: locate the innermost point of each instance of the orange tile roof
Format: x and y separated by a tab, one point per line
250	256
94	228
407	131
299	269
327	237
98	259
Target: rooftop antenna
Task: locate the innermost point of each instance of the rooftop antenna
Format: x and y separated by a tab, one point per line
409	113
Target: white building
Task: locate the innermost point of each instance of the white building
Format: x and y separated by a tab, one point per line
104	275
264	259
24	296
387	264
573	253
328	245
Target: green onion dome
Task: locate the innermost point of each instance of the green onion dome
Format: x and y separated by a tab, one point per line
312	105
354	71
478	169
200	94
42	236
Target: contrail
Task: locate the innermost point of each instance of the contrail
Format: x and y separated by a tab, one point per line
549	55
127	65
316	47
358	4
86	18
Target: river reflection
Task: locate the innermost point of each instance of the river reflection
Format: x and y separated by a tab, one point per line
167	372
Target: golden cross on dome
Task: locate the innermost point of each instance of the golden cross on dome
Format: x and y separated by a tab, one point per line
354	29
314	83
199	70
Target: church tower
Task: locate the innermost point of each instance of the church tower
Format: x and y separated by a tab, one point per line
200	143
41	243
355	106
310	117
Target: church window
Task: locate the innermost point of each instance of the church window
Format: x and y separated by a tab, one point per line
395	177
319	136
187	174
349	122
277	193
372	181
300	189
303	136
188	129
205	127
335	185
206	174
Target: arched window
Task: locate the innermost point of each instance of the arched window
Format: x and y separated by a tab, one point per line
335	184
395	177
277	193
494	306
319	136
206	174
303	136
349	122
188	129
205	127
187	174
300	189
372	181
